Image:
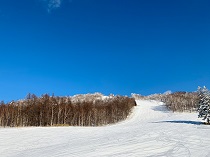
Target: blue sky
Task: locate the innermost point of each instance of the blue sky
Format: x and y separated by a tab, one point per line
69	47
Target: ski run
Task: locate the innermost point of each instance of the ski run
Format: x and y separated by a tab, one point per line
150	131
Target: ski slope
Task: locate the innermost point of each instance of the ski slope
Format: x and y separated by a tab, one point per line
150	131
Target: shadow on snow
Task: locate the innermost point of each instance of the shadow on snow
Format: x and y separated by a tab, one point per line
161	108
181	121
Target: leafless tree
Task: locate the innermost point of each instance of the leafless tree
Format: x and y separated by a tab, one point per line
52	111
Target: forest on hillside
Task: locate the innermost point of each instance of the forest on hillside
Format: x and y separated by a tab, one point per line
84	110
176	102
89	110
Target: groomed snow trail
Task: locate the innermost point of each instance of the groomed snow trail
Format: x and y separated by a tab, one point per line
150	131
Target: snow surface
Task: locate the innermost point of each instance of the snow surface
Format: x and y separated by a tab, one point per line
151	130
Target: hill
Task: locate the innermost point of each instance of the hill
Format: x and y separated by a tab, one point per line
151	130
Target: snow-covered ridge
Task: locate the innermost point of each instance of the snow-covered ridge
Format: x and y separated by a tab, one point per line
90	97
77	98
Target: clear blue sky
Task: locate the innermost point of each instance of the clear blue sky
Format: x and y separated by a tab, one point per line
108	46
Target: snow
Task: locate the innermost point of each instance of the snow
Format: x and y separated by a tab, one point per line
90	97
151	130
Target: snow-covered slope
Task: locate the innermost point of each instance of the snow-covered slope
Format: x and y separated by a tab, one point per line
151	130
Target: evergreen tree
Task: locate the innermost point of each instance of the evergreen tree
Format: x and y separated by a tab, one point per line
204	104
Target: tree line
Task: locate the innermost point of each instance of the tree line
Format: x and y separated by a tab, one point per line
181	101
176	102
55	111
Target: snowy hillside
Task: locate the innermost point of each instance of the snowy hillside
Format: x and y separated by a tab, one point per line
151	130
